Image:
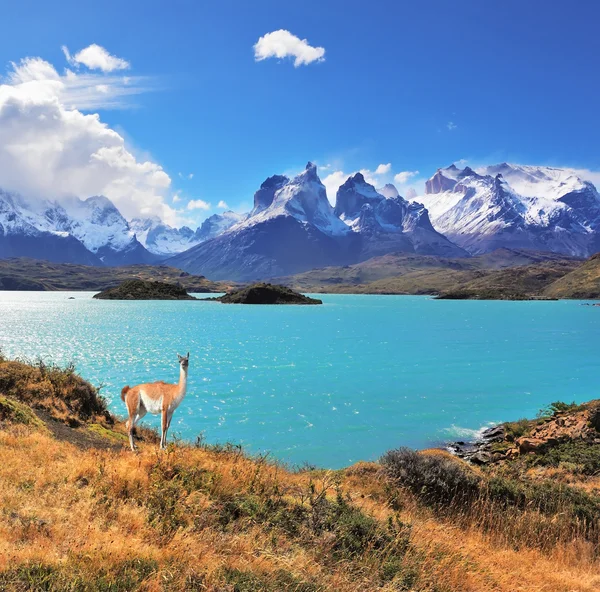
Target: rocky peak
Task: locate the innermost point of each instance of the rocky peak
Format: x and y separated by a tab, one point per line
353	194
440	182
263	198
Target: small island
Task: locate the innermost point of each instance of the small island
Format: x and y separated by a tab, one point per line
266	294
144	290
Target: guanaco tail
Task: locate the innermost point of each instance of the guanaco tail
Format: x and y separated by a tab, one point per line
155	397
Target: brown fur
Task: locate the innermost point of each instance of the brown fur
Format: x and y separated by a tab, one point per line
155	391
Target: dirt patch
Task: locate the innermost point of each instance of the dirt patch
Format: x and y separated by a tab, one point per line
81	437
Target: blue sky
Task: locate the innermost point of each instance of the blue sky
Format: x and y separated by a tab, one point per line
415	84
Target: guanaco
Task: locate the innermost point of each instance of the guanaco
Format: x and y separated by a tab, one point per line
155	397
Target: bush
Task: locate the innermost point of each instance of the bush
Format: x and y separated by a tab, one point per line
516	429
558	407
580	457
436	480
60	391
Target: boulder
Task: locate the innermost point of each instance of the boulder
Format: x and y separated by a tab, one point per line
527	445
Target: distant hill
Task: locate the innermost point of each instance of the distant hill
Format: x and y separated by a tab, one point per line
524	273
582	282
31	274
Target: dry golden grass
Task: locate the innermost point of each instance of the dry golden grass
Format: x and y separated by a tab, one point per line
198	518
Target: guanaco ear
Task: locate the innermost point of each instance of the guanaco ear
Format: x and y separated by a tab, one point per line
188	356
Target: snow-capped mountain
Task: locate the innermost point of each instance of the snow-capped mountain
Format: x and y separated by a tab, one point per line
216	224
293	227
389	224
90	231
160	238
515	206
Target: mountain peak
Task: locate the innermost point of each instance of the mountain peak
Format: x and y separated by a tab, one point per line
389	191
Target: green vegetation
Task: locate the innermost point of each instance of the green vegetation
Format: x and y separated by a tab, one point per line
16	412
144	290
496	497
558	407
577	457
78	575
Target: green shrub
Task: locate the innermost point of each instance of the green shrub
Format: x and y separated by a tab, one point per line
282	580
558	407
436	480
580	457
516	429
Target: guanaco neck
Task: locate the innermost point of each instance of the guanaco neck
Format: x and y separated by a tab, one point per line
182	382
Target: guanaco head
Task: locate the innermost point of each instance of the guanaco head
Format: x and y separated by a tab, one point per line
184	360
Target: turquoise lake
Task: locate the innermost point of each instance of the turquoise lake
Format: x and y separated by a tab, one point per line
325	385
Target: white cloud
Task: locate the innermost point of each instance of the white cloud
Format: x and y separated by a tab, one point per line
176	197
198	204
50	149
404	176
332	183
95	57
383	169
223	205
189	176
87	92
282	44
451	126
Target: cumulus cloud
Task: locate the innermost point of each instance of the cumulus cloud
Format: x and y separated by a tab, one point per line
223	205
283	44
451	126
404	176
50	149
95	57
189	176
198	204
383	169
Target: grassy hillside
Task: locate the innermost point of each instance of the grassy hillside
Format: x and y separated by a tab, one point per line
503	273
515	283
582	282
78	511
33	274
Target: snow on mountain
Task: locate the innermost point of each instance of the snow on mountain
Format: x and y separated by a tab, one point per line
304	198
387	224
217	224
509	205
293	227
388	190
160	238
95	224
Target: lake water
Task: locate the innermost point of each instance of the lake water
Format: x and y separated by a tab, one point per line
327	385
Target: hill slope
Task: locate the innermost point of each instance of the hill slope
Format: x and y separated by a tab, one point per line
582	282
31	274
78	511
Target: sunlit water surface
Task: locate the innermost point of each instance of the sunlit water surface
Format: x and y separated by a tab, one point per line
326	385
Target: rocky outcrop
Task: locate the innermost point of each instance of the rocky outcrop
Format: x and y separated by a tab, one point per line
267	294
582	423
143	290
